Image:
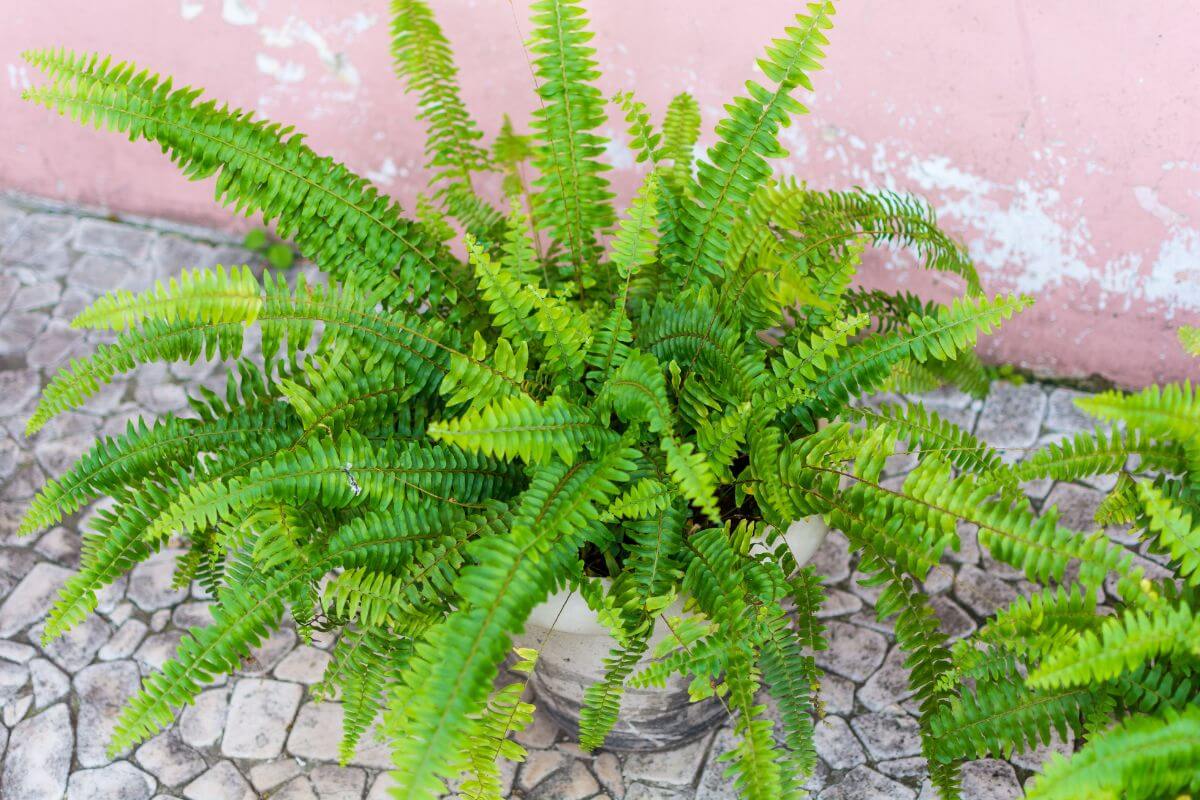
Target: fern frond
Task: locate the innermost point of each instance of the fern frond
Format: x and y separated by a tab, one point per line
1100	452
681	129
424	62
1122	644
336	218
199	295
1175	531
575	201
455	662
737	164
518	427
1143	757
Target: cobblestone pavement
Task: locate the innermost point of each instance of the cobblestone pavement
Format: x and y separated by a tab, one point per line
259	734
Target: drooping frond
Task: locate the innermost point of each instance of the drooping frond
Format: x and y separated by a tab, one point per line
832	217
335	218
454	663
1100	452
201	294
1005	717
1175	529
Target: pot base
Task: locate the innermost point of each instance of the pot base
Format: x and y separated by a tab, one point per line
652	719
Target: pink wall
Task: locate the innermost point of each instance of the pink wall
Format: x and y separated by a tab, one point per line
1059	138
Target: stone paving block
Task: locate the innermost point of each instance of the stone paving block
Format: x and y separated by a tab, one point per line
18	387
76	648
150	582
642	791
260	712
889	685
156	650
836	744
854	652
338	783
169	759
1012	416
103	273
13	678
305	664
837	694
300	788
269	774
677	767
16	652
863	783
124	642
40	240
113	238
989	779
263	658
573	783
39	756
221	781
119	781
203	722
49	682
982	593
540	765
1063	416
887	735
103	690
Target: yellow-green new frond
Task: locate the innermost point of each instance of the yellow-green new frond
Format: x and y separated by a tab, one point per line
518	427
637	234
1189	337
681	129
484	378
1170	410
1176	530
1122	644
199	295
1142	758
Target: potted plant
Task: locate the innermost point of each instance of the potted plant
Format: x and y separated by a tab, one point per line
479	409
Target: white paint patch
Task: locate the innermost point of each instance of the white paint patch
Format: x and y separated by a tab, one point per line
617	150
282	71
296	31
1174	280
386	173
18	77
189	9
238	12
1148	199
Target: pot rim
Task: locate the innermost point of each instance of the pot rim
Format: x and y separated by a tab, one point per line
566	612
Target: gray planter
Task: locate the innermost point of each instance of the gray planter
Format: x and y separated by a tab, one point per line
572	646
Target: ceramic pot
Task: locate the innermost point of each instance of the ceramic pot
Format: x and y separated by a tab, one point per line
572	646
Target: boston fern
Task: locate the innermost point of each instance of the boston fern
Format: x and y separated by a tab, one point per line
1126	679
479	406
